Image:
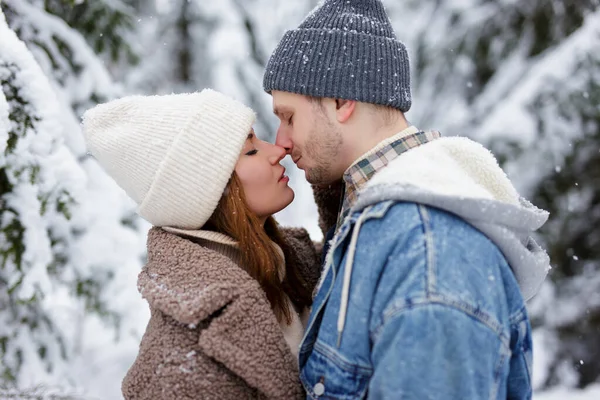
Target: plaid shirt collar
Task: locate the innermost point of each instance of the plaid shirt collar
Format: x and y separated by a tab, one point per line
377	158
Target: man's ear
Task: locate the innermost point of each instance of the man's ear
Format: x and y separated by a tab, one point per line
344	109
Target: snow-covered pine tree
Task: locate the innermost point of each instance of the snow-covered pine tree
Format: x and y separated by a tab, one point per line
257	25
174	40
567	112
76	43
71	248
39	179
189	45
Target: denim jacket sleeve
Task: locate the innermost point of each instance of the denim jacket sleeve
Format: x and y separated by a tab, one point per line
434	351
432	335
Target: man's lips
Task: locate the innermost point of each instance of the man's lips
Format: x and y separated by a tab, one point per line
296	161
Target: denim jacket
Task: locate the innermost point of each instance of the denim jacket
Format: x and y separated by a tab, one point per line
423	291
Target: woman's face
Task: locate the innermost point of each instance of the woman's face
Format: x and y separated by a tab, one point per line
263	178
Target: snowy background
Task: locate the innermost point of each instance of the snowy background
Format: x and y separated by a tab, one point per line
522	77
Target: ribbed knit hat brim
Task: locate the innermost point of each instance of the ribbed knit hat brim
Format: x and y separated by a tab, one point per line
341	65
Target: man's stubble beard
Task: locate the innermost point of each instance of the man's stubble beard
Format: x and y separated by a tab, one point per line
322	148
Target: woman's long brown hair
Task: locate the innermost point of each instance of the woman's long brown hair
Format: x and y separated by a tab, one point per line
260	259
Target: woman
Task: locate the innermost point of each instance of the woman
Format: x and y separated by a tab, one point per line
228	291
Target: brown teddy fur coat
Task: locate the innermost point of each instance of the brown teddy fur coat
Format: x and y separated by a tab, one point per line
212	333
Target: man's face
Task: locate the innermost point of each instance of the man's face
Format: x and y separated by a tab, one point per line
309	136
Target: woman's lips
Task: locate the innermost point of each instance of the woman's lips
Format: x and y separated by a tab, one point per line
283	177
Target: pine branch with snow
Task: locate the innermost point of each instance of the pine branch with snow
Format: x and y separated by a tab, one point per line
56	274
37	181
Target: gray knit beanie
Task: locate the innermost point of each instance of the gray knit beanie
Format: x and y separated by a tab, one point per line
344	49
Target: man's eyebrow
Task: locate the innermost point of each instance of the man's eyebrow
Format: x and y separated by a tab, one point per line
280	110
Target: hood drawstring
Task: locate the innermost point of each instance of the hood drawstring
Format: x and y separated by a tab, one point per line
348	276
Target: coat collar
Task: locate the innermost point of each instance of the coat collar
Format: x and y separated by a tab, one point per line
462	177
185	280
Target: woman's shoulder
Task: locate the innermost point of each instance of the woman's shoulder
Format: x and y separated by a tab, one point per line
188	281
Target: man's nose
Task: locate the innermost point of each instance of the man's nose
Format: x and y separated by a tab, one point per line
283	140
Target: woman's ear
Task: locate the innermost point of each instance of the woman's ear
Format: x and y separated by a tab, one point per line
344	109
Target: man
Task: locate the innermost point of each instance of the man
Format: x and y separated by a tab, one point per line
423	288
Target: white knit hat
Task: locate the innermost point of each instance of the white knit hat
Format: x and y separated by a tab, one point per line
172	154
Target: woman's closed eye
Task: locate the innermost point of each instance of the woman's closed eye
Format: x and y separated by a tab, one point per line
252	152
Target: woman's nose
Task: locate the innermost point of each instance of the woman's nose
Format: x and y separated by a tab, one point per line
276	153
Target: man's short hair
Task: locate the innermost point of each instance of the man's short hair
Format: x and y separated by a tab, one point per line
315	100
387	114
